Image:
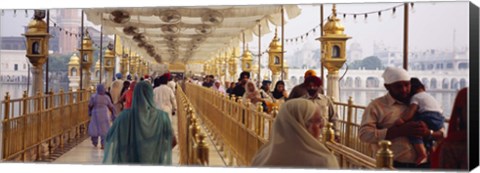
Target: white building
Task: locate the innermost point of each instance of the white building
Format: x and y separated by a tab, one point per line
13	66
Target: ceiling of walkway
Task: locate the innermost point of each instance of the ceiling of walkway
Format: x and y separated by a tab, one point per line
188	34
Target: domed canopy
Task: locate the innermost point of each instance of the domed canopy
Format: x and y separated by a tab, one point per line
275	45
37	26
74	60
87	42
247	55
333	26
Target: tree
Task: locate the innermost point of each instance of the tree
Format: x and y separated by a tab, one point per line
368	63
372	63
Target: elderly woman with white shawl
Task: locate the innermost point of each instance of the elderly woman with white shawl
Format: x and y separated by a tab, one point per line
217	86
294	139
251	93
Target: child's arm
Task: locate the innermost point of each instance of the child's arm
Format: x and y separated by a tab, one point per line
408	114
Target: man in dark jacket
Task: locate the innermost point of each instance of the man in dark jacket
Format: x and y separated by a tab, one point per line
239	90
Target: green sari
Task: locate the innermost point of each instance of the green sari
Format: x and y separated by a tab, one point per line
142	134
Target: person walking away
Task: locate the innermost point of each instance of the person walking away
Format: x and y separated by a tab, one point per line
99	105
142	134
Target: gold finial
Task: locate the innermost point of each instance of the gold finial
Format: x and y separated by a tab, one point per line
334	10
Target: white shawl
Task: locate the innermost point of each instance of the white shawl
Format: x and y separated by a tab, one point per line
291	145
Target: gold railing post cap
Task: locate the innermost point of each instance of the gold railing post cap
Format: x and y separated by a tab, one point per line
384	143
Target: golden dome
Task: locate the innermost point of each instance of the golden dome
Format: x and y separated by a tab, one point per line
36	26
275	45
333	26
109	54
247	55
87	42
74	60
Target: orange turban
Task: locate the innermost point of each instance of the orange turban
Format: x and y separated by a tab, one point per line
310	73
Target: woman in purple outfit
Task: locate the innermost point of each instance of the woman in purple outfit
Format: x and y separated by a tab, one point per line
98	108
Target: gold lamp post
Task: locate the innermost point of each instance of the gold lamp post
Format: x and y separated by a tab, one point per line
145	68
275	57
37	47
123	66
74	72
132	65
333	52
109	63
86	55
247	60
96	79
232	65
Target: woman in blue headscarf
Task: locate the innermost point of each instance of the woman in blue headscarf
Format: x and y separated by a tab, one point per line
98	108
141	134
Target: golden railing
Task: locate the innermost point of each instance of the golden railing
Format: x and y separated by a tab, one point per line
242	129
192	140
34	127
348	115
239	129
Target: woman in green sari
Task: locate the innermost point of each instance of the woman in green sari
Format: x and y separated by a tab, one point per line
142	134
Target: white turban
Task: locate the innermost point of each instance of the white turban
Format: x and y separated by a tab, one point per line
394	74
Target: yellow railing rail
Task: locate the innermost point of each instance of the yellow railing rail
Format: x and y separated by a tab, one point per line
34	127
242	128
193	147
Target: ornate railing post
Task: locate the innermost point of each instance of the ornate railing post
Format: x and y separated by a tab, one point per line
25	127
384	155
201	149
349	122
258	128
6	127
329	133
192	132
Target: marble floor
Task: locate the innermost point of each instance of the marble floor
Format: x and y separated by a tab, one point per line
86	153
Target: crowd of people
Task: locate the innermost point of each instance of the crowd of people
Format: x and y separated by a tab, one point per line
133	119
142	115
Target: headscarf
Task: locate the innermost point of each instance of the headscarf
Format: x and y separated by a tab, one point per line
250	95
310	73
129	95
101	89
220	88
142	134
395	74
457	126
124	88
291	145
118	75
116	90
278	94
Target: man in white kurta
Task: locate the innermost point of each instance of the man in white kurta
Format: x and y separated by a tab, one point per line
380	115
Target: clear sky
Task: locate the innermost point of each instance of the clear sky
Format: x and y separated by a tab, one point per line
431	26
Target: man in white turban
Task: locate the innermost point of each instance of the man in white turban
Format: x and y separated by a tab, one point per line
379	117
